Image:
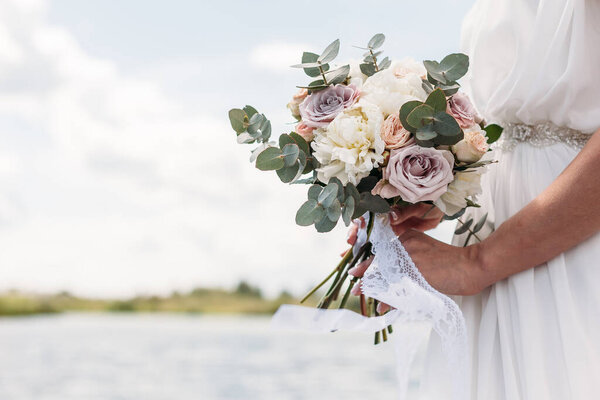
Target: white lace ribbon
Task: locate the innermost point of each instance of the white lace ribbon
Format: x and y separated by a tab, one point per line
394	279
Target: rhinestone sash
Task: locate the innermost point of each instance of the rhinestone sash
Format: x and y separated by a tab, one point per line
540	135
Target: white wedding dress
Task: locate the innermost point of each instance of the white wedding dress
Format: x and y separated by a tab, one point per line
535	67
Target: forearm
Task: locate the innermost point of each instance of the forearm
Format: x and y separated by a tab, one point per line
562	216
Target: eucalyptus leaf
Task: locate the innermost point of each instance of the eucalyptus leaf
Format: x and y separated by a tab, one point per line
289	153
325	224
351	191
340	188
457	215
368	69
285	139
445	124
348	210
308	57
449	140
300	165
480	223
493	132
338	76
376	41
455	66
288	173
237	118
245	138
299	140
328	195
334	211
437	100
450	88
374	203
425	133
406	109
471	203
306	65
420	116
250	111
464	227
385	63
330	52
309	213
314	191
270	159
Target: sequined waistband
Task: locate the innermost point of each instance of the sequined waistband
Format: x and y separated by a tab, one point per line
540	135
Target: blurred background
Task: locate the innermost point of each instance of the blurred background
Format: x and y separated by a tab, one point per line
140	252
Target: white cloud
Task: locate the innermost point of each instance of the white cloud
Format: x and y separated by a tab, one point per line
277	56
113	187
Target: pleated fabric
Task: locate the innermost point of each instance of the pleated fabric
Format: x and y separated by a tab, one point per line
535	335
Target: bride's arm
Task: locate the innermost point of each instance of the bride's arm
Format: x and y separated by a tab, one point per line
562	216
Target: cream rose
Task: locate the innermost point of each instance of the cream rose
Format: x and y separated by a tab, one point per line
389	92
393	133
294	105
408	66
472	147
465	184
350	146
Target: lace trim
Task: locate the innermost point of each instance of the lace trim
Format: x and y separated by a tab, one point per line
540	135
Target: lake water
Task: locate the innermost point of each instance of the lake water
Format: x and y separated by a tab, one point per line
180	357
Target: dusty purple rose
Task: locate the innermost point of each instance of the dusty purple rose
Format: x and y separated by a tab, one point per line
320	108
416	174
461	108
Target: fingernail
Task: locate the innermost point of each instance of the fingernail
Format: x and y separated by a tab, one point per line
394	215
356	291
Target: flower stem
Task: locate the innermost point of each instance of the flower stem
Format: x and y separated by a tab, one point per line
470	231
374	59
341	264
347	294
323	75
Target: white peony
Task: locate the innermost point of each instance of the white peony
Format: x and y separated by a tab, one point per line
350	147
389	92
465	184
408	66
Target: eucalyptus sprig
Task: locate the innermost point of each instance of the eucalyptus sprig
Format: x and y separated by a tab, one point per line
315	65
291	159
446	73
370	65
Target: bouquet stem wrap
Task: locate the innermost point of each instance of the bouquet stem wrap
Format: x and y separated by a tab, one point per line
394	279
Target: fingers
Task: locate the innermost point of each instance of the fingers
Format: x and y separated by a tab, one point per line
352	234
399	215
415	223
382	308
359	270
356	289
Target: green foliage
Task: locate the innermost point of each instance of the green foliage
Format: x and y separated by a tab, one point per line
429	121
493	132
315	65
464	227
445	74
326	204
370	65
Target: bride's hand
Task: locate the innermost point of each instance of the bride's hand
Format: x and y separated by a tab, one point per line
449	269
421	217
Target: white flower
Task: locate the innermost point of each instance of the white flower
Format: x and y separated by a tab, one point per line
473	146
408	66
350	147
465	184
389	92
357	78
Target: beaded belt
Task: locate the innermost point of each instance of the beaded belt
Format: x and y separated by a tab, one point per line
540	135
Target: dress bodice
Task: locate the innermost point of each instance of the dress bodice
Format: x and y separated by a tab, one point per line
535	61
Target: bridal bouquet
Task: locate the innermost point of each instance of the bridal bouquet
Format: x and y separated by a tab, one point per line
371	136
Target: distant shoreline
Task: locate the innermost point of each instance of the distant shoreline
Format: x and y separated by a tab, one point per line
244	299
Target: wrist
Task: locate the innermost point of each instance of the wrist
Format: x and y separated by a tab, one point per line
477	270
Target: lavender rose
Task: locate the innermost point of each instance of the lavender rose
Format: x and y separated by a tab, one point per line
416	174
320	108
461	108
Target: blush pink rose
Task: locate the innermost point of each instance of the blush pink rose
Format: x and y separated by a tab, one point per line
294	105
416	174
305	131
461	108
393	133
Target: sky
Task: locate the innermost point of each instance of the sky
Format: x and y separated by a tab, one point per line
119	172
